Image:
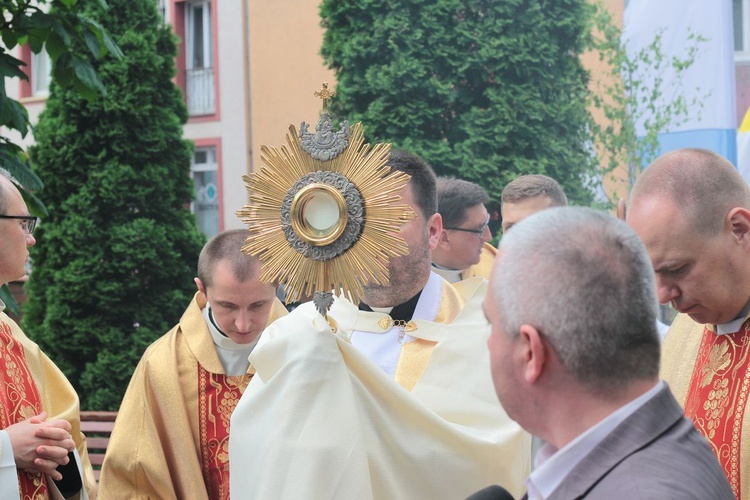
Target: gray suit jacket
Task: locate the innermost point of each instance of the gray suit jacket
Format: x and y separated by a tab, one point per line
655	453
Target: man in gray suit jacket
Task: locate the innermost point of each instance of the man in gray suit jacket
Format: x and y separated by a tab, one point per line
575	361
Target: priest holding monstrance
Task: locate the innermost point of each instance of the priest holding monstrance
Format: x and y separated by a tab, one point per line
380	387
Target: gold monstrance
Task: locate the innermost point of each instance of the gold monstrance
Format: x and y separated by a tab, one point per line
324	211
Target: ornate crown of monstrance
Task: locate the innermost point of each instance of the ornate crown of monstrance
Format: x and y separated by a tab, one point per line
324	211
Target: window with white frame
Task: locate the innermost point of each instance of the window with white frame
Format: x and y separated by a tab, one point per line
41	70
199	78
205	173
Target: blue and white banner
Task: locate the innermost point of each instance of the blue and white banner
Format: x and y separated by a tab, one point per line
710	78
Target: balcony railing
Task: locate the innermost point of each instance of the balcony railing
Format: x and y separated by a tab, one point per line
199	83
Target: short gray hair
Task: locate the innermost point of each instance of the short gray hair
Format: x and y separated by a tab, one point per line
584	280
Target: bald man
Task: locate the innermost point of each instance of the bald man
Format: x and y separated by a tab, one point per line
691	209
42	449
588	384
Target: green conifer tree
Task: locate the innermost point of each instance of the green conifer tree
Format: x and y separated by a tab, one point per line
483	90
114	261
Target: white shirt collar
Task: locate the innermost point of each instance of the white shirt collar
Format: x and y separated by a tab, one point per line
552	466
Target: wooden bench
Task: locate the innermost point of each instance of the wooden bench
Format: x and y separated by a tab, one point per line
97	426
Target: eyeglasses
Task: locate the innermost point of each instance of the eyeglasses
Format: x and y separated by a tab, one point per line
479	231
29	221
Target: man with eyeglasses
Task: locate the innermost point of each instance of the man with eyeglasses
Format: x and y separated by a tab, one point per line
42	450
463	250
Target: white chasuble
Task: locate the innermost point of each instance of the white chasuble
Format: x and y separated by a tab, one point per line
321	421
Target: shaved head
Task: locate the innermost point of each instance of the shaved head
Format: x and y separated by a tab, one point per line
227	246
689	207
705	185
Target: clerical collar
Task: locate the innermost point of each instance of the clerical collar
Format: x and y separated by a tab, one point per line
438	266
400	312
220	338
450	275
211	318
734	325
233	356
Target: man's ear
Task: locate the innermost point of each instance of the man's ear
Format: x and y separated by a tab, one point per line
738	220
435	229
200	286
443	239
533	351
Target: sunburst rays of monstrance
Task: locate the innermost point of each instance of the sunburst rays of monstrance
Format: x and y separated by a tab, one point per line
324	212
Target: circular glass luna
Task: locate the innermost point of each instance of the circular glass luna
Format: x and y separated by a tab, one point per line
319	214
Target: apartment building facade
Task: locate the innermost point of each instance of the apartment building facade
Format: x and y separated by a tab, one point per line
247	70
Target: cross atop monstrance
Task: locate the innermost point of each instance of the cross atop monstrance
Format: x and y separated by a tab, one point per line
326	94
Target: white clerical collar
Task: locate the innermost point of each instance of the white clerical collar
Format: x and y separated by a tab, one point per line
233	356
734	325
552	466
384	310
450	275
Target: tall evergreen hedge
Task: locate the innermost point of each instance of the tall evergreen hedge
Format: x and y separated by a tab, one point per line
114	261
482	89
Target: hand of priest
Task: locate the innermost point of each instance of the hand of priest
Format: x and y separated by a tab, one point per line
41	446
